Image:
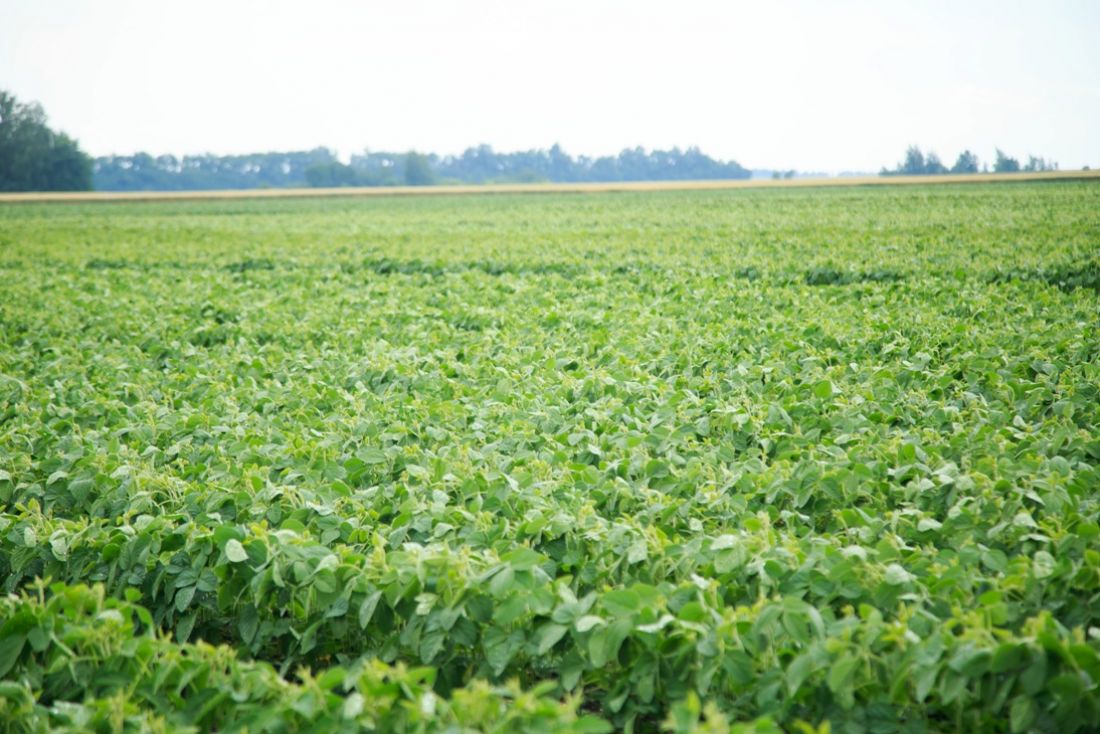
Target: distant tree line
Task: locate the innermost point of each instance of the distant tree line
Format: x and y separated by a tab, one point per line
375	169
483	165
143	172
35	158
918	163
321	168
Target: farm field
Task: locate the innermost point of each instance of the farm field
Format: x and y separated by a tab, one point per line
784	459
546	187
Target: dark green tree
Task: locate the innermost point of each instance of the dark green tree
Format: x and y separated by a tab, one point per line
1004	164
35	158
914	162
913	165
418	169
967	162
1040	164
933	165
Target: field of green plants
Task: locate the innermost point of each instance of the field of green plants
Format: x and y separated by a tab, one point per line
770	460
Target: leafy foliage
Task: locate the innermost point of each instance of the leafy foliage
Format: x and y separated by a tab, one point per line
79	661
918	163
481	164
35	158
144	172
799	459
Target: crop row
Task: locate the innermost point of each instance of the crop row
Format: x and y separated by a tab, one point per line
75	660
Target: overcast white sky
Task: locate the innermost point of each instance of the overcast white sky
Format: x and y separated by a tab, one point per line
831	86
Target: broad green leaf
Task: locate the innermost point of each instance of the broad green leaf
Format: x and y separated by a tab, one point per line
896	575
235	552
549	635
1022	715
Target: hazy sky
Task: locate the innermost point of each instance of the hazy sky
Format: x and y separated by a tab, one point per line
842	85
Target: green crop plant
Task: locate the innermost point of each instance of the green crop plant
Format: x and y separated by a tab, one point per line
764	460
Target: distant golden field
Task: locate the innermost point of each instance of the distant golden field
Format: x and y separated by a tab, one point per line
535	188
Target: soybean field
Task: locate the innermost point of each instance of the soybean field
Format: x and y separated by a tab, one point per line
761	460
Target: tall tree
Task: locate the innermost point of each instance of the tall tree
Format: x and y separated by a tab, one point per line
914	161
1004	164
913	165
967	162
933	165
1040	164
35	158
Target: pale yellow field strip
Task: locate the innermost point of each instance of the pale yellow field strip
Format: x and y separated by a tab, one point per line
542	188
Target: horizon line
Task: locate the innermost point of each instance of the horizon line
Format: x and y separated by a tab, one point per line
77	197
